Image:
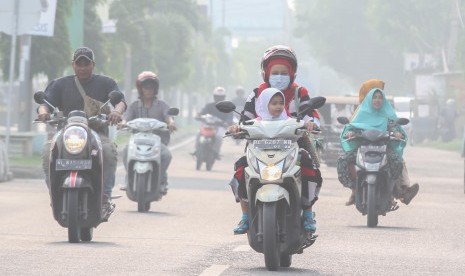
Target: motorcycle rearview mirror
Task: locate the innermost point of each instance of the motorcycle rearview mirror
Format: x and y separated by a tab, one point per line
41	98
317	102
343	120
115	97
403	121
226	106
173	111
314	103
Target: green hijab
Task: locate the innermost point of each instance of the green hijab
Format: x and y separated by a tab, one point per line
367	117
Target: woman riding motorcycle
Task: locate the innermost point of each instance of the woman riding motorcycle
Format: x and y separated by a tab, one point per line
375	112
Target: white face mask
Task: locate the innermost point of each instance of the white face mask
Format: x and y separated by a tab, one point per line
280	82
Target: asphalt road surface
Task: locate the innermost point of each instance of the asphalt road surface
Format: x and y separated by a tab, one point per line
189	232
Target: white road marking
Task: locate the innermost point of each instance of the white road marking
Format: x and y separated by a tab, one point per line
242	248
214	270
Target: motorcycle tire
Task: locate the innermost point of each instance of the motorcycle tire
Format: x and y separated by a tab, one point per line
372	214
141	182
285	259
270	236
87	233
74	231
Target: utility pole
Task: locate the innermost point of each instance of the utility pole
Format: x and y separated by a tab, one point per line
12	71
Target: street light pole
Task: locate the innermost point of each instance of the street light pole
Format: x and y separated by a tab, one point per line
12	71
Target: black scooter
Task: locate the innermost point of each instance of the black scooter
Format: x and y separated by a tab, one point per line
76	170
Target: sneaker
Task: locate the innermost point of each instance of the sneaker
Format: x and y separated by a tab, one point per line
309	222
108	207
242	226
123	187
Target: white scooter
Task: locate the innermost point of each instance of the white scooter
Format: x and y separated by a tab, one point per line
274	186
143	161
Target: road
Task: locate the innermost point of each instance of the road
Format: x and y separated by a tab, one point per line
189	232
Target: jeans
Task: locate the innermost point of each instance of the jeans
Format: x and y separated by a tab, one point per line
165	160
110	159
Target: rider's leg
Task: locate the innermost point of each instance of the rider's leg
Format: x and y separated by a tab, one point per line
165	159
110	156
311	186
124	185
240	193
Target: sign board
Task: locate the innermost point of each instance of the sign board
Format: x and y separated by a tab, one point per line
46	24
35	17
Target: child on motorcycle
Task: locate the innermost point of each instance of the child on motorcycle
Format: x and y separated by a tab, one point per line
279	66
375	112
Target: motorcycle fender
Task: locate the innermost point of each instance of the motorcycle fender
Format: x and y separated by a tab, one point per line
371	179
142	167
272	193
74	180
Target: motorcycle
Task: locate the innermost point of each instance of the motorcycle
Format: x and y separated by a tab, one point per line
204	146
76	170
143	162
274	186
373	190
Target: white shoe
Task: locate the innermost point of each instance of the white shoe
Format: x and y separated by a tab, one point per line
122	187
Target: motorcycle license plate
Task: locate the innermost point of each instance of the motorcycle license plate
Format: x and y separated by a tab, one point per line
272	144
73	165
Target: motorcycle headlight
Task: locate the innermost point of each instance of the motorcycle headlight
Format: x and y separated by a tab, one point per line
75	139
271	172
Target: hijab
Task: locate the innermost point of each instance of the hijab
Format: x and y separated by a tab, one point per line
261	105
367	117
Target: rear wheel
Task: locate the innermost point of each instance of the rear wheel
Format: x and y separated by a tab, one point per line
210	161
270	236
141	182
74	230
199	154
372	214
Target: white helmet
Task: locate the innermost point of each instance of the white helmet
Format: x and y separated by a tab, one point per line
219	94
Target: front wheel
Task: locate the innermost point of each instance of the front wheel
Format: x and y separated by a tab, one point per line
74	230
372	214
285	259
141	186
270	236
87	233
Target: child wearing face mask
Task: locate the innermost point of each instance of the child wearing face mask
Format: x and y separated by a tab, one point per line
279	66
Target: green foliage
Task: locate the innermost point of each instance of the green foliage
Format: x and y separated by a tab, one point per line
159	36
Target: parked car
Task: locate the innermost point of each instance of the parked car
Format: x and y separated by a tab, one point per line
403	108
335	106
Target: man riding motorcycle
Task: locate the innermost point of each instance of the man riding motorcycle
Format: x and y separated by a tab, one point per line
85	91
219	94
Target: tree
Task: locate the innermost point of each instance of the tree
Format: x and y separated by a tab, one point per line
368	38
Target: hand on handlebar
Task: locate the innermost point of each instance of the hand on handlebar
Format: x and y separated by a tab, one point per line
234	129
350	134
172	127
310	126
114	117
44	117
